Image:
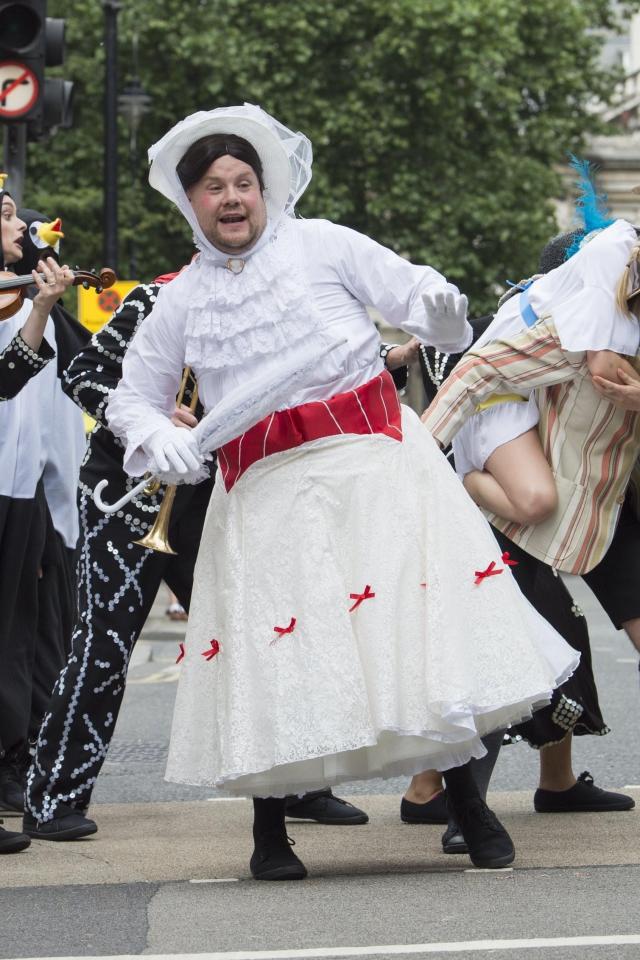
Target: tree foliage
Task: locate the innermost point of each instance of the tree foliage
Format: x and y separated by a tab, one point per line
438	125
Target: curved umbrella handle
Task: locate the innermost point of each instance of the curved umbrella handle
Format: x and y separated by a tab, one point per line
119	504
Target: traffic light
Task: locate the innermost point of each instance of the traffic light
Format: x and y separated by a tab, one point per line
29	42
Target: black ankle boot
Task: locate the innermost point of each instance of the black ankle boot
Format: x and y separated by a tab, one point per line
488	842
273	858
452	839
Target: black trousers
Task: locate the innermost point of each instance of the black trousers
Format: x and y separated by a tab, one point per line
56	617
117	584
574	706
615	581
23	531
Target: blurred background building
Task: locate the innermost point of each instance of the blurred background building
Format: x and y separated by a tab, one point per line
618	154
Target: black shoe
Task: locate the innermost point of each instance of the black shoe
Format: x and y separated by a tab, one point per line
273	858
68	824
582	797
453	841
11	789
489	843
323	807
433	811
11	842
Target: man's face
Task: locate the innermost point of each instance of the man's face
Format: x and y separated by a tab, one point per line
12	232
229	206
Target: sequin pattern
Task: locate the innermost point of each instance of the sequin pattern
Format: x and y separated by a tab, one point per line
75	734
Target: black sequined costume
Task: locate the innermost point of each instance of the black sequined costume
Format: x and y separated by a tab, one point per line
117	582
19	363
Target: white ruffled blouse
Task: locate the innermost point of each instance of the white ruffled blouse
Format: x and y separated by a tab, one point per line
580	295
307	285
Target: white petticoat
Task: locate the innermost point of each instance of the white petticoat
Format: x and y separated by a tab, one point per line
485	431
410	679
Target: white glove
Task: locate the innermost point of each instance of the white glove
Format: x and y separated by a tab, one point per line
173	450
447	319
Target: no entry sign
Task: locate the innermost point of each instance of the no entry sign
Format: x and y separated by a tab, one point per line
18	89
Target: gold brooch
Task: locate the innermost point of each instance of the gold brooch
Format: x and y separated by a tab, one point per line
235	264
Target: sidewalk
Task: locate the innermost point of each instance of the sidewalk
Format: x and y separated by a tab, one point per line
164	842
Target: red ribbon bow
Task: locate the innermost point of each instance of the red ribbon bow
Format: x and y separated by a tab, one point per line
489	572
282	630
181	654
506	558
359	597
215	649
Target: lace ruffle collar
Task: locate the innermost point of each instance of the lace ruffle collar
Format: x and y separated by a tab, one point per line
268	307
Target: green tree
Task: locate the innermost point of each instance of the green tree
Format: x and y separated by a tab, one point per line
438	125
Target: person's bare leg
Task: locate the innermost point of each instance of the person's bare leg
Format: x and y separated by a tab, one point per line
517	482
487	493
424	786
556	771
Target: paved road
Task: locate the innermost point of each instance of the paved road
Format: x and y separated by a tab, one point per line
167	872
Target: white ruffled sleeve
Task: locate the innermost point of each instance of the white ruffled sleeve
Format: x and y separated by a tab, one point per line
380	278
145	397
587	318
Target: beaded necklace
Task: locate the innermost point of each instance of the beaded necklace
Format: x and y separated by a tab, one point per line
435	374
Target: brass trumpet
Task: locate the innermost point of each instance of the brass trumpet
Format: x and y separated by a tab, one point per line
157	538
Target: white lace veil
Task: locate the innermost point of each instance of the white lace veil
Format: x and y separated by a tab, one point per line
286	161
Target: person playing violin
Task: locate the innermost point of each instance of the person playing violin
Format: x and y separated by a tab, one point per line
26	527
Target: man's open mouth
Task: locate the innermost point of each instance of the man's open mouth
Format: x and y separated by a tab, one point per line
233	218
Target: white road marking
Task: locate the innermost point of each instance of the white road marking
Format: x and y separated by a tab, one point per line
631	786
626	659
375	950
601	649
217	880
226	799
495	870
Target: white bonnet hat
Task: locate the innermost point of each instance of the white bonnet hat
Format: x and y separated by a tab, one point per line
285	156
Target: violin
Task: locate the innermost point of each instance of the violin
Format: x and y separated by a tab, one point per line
13	287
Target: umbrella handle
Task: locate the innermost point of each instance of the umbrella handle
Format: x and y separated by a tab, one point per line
114	507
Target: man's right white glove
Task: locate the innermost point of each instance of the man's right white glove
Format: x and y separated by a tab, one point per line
173	450
446	312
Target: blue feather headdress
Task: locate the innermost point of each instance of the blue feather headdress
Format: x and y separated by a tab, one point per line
592	212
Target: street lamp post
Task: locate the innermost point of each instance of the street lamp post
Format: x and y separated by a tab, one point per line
111	8
133	102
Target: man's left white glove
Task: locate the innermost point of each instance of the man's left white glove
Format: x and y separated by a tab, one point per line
173	450
448	328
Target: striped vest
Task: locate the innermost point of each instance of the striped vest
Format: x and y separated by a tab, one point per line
592	447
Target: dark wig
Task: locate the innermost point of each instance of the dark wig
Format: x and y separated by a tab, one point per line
205	151
554	254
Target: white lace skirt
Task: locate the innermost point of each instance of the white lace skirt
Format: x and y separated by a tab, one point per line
336	631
